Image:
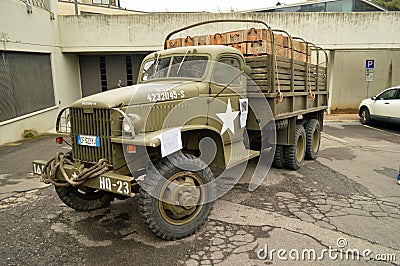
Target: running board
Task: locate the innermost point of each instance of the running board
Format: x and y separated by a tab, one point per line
236	153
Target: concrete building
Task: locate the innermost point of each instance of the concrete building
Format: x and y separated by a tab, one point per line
74	56
325	6
91	7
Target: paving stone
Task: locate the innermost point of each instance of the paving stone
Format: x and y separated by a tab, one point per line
304	217
217	255
191	262
217	241
246	248
286	195
241	232
242	238
214	248
228	233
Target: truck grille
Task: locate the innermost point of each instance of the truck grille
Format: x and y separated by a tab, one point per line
92	122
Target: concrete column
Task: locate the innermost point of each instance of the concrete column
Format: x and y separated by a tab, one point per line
331	75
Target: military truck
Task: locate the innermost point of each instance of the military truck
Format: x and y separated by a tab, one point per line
151	139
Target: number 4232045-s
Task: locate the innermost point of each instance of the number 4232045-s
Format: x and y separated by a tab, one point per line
165	96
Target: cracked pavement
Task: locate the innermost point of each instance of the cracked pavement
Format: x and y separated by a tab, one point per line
349	193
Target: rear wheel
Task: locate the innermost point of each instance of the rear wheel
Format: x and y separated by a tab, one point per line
182	203
313	139
294	154
84	199
279	157
365	116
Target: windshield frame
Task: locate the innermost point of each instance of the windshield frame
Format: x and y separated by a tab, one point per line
170	66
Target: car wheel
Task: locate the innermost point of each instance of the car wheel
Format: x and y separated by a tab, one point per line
365	116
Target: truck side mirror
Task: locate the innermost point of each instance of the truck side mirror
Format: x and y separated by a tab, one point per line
247	70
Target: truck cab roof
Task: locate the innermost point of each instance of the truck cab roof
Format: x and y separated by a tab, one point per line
213	50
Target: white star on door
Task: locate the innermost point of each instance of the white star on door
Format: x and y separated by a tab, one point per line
227	118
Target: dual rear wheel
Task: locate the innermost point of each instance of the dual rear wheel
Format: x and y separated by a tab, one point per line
307	143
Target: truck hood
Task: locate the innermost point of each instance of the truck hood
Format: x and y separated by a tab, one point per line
139	94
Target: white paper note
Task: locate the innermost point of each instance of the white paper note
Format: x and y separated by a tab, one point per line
244	110
171	141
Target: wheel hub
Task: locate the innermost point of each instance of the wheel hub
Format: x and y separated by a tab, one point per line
181	196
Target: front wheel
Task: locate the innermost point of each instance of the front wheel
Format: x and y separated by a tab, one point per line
175	203
84	199
365	116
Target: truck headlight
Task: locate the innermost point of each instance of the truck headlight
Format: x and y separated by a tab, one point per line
128	126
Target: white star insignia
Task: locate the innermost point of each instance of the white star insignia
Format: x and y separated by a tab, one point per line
227	118
74	175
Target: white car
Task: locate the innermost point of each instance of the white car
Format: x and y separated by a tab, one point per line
383	107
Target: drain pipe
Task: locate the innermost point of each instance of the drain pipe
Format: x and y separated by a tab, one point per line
76	8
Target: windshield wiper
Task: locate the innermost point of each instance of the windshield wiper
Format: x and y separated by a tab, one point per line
157	63
183	59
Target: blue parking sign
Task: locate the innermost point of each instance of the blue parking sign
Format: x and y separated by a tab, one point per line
369	63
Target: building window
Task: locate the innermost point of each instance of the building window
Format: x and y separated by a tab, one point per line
26	84
101	2
129	73
360	6
103	73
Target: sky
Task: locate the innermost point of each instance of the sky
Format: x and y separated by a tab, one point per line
198	6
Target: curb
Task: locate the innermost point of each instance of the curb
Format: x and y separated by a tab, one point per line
341	121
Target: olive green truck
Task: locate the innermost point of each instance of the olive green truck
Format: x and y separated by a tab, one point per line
202	108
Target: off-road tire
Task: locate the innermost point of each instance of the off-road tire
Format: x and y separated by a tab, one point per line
149	207
279	157
294	154
313	139
365	117
84	201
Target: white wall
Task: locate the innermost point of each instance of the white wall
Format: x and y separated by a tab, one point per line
374	30
36	32
349	83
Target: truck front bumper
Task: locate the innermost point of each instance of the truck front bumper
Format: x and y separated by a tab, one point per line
109	181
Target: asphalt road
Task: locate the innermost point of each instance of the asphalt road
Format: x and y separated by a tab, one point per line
346	200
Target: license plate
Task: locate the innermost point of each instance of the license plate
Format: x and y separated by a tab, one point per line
85	140
114	185
38	167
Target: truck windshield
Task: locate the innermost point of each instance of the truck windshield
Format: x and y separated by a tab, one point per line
185	66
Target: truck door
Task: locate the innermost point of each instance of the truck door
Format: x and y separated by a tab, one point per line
229	84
